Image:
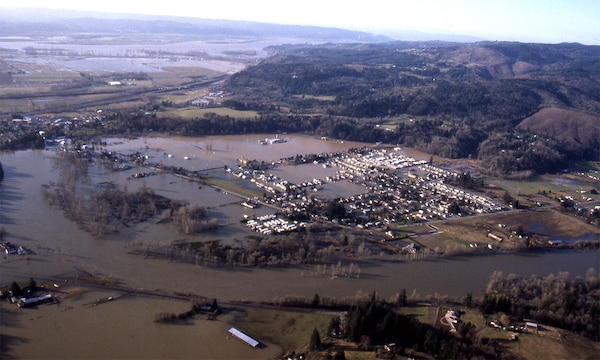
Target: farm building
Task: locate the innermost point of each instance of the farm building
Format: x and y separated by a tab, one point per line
531	325
495	237
27	302
245	338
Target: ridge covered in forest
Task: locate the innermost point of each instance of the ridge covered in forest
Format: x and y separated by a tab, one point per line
489	100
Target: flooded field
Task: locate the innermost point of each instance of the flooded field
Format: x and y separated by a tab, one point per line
120	329
59	248
211	151
117	54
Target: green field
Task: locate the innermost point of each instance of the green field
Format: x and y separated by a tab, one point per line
312	97
528	187
195	113
288	329
549	343
292	330
579	186
233	186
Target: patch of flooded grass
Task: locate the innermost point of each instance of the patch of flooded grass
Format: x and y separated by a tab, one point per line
232	186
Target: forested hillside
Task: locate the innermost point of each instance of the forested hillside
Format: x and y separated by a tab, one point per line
453	100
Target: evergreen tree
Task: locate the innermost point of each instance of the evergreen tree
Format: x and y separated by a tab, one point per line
468	300
15	289
32	285
334	326
315	301
315	340
402	299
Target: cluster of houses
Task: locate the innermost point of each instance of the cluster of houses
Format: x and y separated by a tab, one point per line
27	297
269	224
390	159
282	192
451	318
400	188
528	326
15	129
11	249
208	100
474	202
397	189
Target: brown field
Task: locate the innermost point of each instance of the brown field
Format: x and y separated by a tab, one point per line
456	235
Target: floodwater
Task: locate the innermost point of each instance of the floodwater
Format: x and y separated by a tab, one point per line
60	247
120	329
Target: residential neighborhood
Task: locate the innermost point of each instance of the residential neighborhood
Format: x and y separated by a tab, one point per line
397	189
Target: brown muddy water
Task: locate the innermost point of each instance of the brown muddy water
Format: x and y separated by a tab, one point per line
59	247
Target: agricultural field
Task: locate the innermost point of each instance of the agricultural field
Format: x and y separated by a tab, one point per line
546	343
74	73
292	330
313	97
539	226
233	186
197	113
289	329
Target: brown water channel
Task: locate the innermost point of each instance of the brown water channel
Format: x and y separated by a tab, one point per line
59	247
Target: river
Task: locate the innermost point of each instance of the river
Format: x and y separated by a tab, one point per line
59	247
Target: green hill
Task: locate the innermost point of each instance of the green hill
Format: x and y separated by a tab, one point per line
465	100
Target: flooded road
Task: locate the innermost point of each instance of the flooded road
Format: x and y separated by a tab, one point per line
59	247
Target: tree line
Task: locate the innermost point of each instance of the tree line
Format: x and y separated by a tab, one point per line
377	322
501	148
555	300
329	251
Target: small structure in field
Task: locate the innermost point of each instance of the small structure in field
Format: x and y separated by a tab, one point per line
531	326
244	337
495	237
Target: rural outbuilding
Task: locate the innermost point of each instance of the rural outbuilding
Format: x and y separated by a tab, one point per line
245	338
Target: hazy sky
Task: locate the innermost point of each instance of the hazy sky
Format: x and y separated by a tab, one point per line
549	21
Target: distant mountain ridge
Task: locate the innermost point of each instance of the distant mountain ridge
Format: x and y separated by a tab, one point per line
57	21
27	22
